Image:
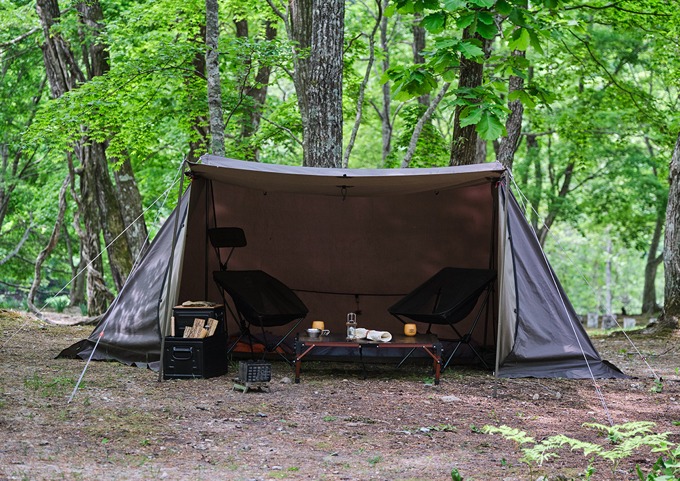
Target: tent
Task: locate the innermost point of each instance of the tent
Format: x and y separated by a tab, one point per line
356	240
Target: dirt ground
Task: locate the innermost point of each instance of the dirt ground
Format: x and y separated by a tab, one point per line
335	425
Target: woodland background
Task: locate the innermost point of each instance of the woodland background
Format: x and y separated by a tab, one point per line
102	101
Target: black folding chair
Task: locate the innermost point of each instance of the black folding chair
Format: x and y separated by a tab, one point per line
447	298
259	299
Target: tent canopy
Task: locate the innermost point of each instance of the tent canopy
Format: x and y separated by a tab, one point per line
350	240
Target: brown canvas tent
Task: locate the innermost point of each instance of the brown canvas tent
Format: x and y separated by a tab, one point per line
356	240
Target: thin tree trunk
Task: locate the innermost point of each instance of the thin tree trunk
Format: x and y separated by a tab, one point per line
418	47
464	145
554	208
51	243
654	259
198	143
671	257
513	126
212	35
257	91
362	87
385	112
421	123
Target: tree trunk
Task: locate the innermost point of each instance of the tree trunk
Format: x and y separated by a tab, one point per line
513	126
257	91
418	49
555	206
362	88
212	35
96	188
198	143
671	257
386	110
318	25
464	145
649	305
63	74
92	157
130	201
51	243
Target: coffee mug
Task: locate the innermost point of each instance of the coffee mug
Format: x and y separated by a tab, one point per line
318	325
315	333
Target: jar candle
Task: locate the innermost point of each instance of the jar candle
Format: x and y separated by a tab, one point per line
318	325
410	330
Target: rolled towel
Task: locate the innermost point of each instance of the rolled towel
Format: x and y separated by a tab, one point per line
379	336
360	333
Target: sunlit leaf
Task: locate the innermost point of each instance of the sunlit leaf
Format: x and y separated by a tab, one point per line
435	22
490	127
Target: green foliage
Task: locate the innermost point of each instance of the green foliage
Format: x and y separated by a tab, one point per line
58	303
626	439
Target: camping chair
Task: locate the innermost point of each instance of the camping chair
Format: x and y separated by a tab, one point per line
259	299
448	297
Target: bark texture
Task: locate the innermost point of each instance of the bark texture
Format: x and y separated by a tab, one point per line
212	36
130	201
98	206
671	257
464	145
513	126
256	91
386	110
649	304
318	28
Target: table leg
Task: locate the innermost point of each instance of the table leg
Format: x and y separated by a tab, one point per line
298	363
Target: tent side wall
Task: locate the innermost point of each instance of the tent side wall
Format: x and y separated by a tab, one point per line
131	325
548	339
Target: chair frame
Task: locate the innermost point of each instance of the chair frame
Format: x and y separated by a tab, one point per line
233	237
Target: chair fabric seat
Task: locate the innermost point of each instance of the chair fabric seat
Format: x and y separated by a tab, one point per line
261	299
447	297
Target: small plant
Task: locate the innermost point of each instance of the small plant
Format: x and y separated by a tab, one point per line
455	475
55	387
58	303
658	385
329	419
374	460
626	439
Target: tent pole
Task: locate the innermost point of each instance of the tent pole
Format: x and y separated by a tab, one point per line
502	234
164	321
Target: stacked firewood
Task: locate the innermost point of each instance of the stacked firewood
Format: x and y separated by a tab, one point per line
200	329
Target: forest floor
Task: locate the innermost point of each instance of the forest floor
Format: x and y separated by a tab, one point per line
123	424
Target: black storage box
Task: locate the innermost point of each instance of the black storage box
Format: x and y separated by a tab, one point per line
185	358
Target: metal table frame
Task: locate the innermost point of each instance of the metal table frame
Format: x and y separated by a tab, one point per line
427	342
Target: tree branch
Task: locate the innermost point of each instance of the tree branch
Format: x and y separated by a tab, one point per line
421	123
285	129
362	87
21	37
18	247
